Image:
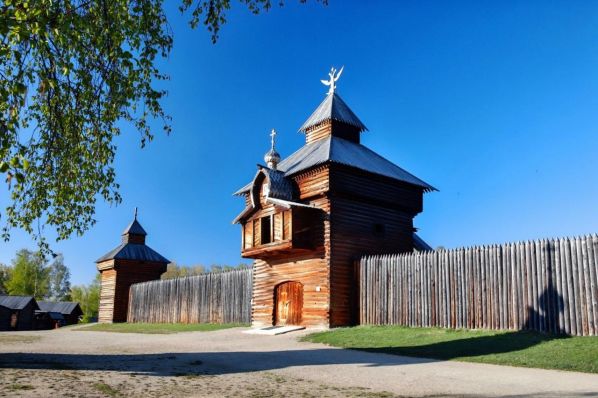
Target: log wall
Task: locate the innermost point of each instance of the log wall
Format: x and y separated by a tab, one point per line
311	270
369	215
220	297
117	276
545	285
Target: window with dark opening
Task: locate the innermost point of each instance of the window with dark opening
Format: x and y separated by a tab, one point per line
266	231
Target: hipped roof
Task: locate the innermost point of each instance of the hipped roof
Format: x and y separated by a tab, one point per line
333	108
338	150
133	251
134	228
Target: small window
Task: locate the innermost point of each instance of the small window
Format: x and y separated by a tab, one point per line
379	230
266	231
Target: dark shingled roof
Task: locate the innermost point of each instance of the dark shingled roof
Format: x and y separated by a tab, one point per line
333	108
63	307
133	251
419	244
338	150
135	228
280	187
17	302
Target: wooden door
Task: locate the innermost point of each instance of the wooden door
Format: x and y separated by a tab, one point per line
289	303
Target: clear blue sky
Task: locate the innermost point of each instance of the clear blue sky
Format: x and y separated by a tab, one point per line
494	103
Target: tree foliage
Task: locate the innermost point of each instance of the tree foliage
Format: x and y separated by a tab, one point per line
88	297
71	71
29	275
32	275
212	13
173	270
60	280
223	268
4	277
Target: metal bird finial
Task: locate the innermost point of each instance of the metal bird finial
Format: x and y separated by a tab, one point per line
333	77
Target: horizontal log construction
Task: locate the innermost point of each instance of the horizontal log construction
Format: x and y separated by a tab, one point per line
116	278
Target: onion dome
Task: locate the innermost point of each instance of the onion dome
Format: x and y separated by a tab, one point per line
272	158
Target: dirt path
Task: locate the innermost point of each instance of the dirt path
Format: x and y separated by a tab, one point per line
73	363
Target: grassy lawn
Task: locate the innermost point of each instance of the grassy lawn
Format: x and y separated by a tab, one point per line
528	349
157	328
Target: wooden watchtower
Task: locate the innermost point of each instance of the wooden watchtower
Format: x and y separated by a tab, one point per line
308	217
130	262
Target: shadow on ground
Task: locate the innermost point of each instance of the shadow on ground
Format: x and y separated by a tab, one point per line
249	361
470	347
167	364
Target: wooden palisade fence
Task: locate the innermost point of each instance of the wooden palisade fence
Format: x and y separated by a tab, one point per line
545	285
219	297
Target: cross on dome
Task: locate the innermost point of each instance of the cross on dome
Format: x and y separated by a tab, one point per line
272	157
273	135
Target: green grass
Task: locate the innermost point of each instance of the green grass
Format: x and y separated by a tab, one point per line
107	390
20	387
527	349
157	328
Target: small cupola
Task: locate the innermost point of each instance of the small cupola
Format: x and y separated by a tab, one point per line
272	158
332	117
134	233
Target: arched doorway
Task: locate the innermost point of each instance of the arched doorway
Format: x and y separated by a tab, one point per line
288	305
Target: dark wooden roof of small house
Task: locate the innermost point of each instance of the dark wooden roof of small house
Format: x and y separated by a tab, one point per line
136	251
17	302
63	307
333	108
133	251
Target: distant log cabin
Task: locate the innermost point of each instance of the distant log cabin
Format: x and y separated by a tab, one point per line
70	311
310	216
130	262
18	312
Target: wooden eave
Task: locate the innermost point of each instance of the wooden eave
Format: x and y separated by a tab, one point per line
267	250
106	265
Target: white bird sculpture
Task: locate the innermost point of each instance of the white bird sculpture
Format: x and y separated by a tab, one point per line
331	83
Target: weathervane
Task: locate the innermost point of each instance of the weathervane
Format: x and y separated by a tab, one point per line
135	212
331	83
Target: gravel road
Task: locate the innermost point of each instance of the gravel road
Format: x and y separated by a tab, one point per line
73	363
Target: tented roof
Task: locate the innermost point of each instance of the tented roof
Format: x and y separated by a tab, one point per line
333	108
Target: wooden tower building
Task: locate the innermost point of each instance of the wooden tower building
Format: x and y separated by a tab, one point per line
310	216
130	262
